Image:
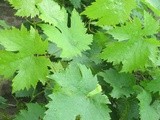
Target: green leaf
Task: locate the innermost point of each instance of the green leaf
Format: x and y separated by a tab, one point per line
34	112
156	106
24	54
71	40
25	8
128	109
147	112
51	12
135	30
4	25
76	3
133	55
154	5
79	95
24	93
153	84
110	12
150	26
122	83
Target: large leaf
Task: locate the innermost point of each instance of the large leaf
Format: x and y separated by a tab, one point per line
110	12
23	53
25	7
71	40
122	83
78	95
34	112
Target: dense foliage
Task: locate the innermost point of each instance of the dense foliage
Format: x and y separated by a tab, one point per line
83	60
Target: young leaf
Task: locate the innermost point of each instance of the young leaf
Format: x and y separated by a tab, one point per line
25	7
34	112
51	12
147	112
110	12
79	95
122	83
25	53
71	40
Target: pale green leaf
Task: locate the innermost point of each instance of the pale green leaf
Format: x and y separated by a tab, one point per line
51	12
25	7
134	55
79	95
23	54
147	112
71	40
110	12
34	112
135	29
154	5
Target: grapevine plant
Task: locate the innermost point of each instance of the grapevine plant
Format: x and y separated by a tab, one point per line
83	60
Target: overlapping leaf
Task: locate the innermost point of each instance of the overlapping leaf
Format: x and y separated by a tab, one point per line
128	108
76	3
135	29
51	12
71	40
23	53
34	112
79	96
154	5
110	12
147	112
122	83
25	7
134	50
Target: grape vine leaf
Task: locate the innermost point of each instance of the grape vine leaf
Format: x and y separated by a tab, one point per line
76	3
79	95
135	30
147	112
25	8
156	105
34	112
154	5
133	55
51	12
128	108
133	48
122	83
152	85
110	12
23	54
71	40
